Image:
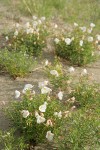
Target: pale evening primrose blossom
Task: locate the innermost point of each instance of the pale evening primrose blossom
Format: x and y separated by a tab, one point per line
54	73
60	95
42	84
35	23
58	114
40	119
46	62
36	114
83	29
25	113
45	90
84	72
34	17
49	136
39	22
29	30
17	25
90	39
27	25
17	94
6	38
92	25
75	24
43	18
43	107
89	30
55	26
27	87
81	43
68	41
16	33
98	37
56	40
71	69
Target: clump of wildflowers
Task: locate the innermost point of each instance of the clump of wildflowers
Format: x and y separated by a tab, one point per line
77	46
29	38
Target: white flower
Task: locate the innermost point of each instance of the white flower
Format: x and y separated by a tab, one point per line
27	25
92	53
39	22
16	33
60	95
84	71
17	94
55	26
25	113
17	25
6	38
68	41
35	23
72	39
49	136
27	87
98	37
40	119
83	29
42	84
45	90
92	25
54	73
43	107
75	24
36	114
43	18
46	62
81	42
89	30
58	114
34	17
90	39
56	40
29	30
33	92
71	69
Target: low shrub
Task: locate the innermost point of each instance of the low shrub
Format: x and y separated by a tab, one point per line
81	132
39	117
78	46
29	38
17	64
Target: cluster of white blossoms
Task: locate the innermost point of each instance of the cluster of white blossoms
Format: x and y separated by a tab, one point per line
84	29
39	115
32	27
54	73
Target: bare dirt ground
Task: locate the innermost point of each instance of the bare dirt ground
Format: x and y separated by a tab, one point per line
9	85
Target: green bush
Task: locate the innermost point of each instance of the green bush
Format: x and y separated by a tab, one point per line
17	64
82	131
78	46
36	115
29	38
